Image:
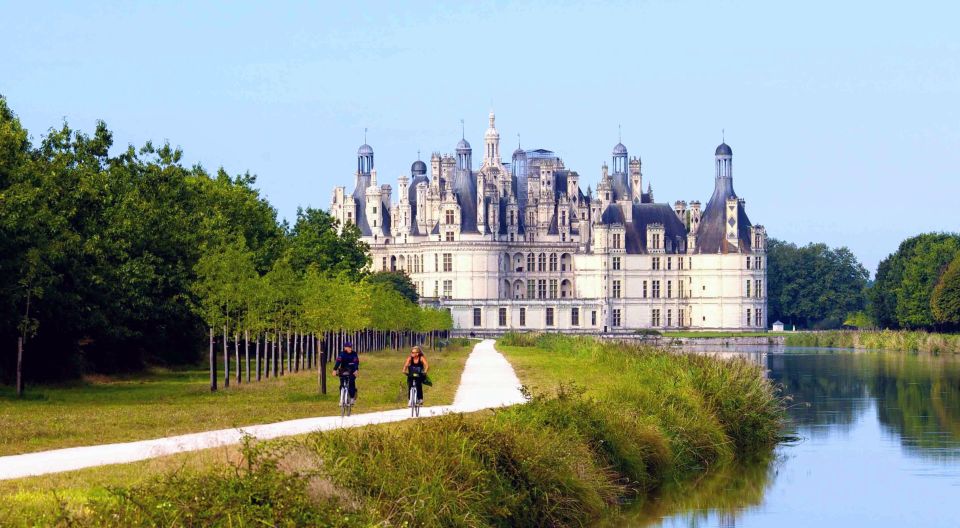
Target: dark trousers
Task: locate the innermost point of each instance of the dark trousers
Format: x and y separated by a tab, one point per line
351	381
419	383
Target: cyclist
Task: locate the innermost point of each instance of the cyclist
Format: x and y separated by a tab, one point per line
416	364
348	366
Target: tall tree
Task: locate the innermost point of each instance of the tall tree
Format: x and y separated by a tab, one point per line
398	281
945	301
813	285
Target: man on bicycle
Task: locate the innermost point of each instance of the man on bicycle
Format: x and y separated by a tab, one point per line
347	366
416	368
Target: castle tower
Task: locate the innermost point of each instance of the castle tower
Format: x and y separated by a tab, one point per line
464	155
491	140
724	161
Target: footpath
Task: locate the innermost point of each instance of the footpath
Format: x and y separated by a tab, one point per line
487	381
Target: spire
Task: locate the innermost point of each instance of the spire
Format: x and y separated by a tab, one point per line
463	133
619	133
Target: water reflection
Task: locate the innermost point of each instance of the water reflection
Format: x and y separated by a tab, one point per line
880	446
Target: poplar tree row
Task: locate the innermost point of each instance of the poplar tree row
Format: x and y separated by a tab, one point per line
283	321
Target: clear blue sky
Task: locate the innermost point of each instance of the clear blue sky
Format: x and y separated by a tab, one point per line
844	117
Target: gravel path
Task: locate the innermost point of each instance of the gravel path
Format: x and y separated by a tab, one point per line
487	381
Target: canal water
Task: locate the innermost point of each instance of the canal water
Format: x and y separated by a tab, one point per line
878	444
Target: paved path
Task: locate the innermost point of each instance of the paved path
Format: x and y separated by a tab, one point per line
487	381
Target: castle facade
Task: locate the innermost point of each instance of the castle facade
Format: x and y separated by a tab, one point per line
519	246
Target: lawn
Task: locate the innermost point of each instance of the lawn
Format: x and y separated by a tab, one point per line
169	402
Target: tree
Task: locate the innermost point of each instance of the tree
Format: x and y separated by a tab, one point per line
945	301
398	281
813	285
315	241
901	294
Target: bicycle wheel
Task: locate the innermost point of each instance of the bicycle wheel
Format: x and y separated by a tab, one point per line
344	401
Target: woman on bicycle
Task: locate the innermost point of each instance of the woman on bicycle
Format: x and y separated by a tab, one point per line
416	364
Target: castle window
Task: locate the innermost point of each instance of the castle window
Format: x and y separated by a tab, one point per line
541	289
644	289
476	317
523	317
748	316
549	316
655	263
436	288
531	289
511	217
448	262
449	216
553	262
563	218
748	262
374	210
759	288
616	317
384	264
655	317
759	317
616	289
448	288
616	263
553	288
593	317
669	289
669	317
656	289
656	241
680	319
449	236
542	262
759	262
575	317
436	262
680	263
748	288
616	241
530	262
669	263
502	317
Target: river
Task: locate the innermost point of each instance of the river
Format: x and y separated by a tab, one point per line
878	445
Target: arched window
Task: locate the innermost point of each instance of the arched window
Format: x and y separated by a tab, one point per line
530	262
553	262
542	262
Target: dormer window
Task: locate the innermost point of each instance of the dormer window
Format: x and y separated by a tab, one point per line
449	216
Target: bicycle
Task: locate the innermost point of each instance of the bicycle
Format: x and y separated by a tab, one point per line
346	403
415	402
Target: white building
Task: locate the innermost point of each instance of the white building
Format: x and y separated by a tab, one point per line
520	246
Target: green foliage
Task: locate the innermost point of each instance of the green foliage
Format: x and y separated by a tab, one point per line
398	281
860	320
315	242
945	301
909	341
813	285
902	293
113	261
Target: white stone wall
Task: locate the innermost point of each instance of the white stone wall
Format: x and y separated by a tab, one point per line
708	291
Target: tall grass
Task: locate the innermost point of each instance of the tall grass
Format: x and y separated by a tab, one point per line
636	419
908	341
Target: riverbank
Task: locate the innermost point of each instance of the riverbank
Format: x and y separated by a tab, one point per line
635	419
878	340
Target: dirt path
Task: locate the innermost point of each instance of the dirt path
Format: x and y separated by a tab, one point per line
487	381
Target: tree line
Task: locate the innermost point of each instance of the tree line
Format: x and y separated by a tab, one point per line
112	261
915	288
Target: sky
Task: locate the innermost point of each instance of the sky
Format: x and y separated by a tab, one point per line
844	117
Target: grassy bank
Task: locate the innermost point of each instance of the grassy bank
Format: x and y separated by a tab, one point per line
719	334
879	340
636	419
169	402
